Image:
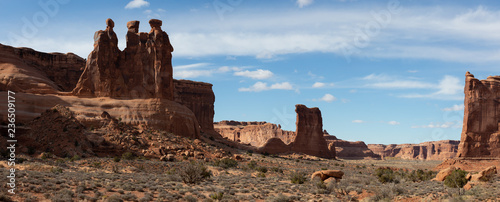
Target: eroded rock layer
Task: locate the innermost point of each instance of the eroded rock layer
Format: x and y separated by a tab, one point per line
481	127
253	133
27	70
434	150
352	150
198	97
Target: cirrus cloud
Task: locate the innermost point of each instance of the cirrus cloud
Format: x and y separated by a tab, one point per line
137	4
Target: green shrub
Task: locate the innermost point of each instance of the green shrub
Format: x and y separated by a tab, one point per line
75	158
252	164
298	177
217	196
193	173
226	163
262	169
128	156
386	175
456	179
116	159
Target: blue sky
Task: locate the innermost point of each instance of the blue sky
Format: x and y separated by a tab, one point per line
380	71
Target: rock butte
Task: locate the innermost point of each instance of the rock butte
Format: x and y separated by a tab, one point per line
135	85
481	128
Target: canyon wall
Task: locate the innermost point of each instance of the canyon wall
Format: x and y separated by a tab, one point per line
434	150
253	133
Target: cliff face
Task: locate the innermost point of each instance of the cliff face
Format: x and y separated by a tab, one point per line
481	128
199	98
309	139
435	150
253	133
27	70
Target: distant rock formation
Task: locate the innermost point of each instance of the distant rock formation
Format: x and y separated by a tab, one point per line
309	139
30	71
352	150
308	136
481	128
253	133
434	150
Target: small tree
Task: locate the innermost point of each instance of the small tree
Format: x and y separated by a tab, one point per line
194	172
456	179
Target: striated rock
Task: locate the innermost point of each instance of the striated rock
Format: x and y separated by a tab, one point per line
30	71
142	70
156	113
481	127
434	150
274	146
441	176
309	139
198	97
253	133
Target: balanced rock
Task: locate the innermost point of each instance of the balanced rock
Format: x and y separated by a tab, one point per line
481	127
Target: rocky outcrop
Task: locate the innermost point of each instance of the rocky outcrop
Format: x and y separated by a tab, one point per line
309	139
352	150
142	70
481	127
198	97
30	71
253	133
325	174
434	150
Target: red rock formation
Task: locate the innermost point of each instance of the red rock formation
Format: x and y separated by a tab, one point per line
352	150
253	133
434	150
481	128
198	97
142	70
27	70
309	139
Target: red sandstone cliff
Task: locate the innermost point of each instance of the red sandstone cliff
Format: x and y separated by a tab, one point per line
253	133
199	98
27	70
434	150
481	128
352	150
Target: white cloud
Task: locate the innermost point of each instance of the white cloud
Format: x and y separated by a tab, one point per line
412	71
261	86
454	108
358	121
257	74
137	4
437	125
328	98
321	84
450	85
318	85
302	3
402	84
201	69
184	74
192	66
393	123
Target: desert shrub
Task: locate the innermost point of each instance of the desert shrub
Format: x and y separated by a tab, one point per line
226	163
75	158
128	156
114	198
63	195
277	170
262	169
116	159
456	179
261	174
419	175
280	198
252	164
386	175
190	198
194	172
129	197
298	177
217	196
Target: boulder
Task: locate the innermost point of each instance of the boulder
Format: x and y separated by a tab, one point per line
441	176
309	139
325	174
484	175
